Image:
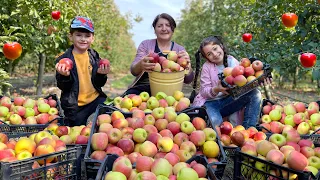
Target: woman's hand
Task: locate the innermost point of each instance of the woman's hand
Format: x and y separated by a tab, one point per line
103	69
62	69
220	88
146	65
185	55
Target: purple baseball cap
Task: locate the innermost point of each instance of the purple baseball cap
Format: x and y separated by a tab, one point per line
82	22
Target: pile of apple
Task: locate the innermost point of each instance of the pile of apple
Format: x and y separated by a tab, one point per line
144	102
70	135
28	111
244	73
170	64
161	134
149	169
37	144
276	118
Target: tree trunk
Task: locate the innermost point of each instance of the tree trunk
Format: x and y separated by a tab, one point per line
295	78
42	62
281	81
318	83
5	89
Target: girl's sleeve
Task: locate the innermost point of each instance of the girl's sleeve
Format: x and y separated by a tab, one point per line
206	84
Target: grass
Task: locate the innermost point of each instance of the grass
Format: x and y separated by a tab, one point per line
122	82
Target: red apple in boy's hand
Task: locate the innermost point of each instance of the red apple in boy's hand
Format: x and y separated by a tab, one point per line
308	60
105	62
247	37
55	15
67	62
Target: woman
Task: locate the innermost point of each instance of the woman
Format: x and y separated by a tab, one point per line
164	26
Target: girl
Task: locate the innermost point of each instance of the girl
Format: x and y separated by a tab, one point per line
213	95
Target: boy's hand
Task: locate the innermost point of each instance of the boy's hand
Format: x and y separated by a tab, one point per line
61	69
103	69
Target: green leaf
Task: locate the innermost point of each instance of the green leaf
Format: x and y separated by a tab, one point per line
316	74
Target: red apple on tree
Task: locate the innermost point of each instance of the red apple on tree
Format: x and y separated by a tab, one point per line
55	15
247	37
289	19
308	60
12	50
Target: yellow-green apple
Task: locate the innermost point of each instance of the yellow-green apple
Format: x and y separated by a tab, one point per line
114	135
177	167
161	124
314	161
165	144
187	173
30	112
81	139
237	138
157	67
133	157
227	71
4	111
279	107
3	138
211	149
152	103
317	151
149	119
289	109
170	116
3	146
315	119
297	161
98	155
185	101
23	144
144	163
261	165
66	139
44	150
170	100
197	137
178	95
43	107
154	137
286	174
52	111
225	139
289	120
240	80
43	118
115	150
166	133
145	175
15	119
144	96
117	100
187	127
174	127
123	165
276	156
172	158
161	95
189	147
136	100
172	56
99	141
150	128
61	130
180	138
126	103
127	145
266	109
103	118
147	148
32	136
278	139
161	166
311	169
237	70
120	123
111	175
127	132
265	118
303	128
313	107
307	151
40	135
24	155
51	128
263	147
275	115
158	113
276	127
292	135
116	115
249	149
139	135
199	123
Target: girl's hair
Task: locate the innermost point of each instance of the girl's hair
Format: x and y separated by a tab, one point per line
167	17
213	40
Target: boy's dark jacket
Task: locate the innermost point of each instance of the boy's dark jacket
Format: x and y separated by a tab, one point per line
69	85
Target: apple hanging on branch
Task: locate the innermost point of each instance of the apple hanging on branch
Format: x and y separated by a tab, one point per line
55	15
12	50
247	37
289	19
308	60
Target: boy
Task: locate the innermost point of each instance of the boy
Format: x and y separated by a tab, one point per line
81	85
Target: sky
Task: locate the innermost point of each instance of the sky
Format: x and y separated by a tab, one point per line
148	10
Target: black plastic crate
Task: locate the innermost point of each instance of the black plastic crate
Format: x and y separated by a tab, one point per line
106	166
245	170
66	167
236	91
